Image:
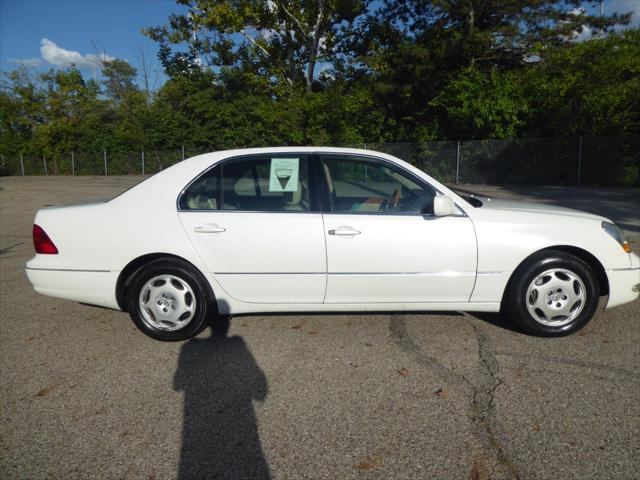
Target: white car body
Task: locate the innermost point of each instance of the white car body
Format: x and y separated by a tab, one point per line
274	262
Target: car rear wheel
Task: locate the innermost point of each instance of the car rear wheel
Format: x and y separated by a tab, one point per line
553	293
168	300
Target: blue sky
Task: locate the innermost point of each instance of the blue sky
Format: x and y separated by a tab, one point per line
51	33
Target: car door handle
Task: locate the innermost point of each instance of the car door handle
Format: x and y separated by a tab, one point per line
344	231
209	228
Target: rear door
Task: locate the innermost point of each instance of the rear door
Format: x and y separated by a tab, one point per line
384	245
255	223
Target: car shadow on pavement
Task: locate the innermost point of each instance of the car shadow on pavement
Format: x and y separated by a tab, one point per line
220	379
496	319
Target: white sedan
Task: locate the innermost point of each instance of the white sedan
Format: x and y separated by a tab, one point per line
325	229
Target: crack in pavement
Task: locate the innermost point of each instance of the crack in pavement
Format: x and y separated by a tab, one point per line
5	250
483	397
483	390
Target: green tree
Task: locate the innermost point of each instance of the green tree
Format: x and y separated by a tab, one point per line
119	79
245	73
127	106
483	33
73	115
587	88
412	50
278	41
22	105
475	104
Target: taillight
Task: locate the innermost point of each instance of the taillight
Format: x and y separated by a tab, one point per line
42	243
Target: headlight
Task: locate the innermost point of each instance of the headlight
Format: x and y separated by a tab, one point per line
617	234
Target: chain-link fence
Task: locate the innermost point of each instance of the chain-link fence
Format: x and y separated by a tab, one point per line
588	161
95	163
580	161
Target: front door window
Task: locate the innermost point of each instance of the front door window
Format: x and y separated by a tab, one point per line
360	186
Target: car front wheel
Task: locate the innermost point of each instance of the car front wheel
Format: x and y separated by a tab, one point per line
168	300
553	293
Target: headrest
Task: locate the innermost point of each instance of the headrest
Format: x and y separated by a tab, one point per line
327	174
296	197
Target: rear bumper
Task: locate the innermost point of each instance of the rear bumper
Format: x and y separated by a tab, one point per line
624	286
85	286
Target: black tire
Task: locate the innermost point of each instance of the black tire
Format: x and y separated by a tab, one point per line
516	302
200	299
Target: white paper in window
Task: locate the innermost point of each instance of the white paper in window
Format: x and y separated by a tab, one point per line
284	174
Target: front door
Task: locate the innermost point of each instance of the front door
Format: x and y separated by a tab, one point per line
254	223
384	245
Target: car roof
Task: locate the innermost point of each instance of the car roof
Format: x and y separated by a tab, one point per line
181	173
266	150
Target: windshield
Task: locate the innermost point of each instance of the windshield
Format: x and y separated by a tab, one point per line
468	196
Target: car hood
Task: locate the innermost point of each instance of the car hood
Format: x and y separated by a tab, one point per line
526	207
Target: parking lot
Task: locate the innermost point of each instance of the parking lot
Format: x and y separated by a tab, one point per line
409	396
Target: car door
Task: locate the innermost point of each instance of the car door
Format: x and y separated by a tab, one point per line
384	245
255	223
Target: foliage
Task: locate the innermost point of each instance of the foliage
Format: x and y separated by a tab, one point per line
292	72
483	105
278	42
588	88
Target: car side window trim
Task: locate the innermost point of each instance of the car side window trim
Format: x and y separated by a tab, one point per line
314	199
320	200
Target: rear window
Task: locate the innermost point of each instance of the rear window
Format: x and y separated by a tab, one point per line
202	194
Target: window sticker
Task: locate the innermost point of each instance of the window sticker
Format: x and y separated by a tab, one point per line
284	173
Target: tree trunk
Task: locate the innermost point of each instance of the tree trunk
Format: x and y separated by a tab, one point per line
314	44
470	26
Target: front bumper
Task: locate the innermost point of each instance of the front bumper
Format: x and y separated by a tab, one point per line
624	286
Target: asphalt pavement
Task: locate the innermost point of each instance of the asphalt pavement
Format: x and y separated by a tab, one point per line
397	396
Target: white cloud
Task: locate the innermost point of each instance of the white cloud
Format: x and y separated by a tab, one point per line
585	33
577	11
266	33
63	58
27	62
322	43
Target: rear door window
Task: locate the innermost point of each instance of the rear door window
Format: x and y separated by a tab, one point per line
264	183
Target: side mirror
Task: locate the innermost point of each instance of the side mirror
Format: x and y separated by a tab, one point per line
443	206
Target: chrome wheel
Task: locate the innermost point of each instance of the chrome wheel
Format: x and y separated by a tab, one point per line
167	302
556	297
